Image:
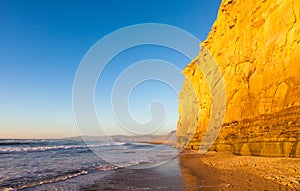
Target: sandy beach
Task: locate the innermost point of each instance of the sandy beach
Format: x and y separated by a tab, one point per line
225	171
211	171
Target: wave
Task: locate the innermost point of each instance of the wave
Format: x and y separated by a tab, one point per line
6	147
38	148
13	142
21	151
139	145
16	185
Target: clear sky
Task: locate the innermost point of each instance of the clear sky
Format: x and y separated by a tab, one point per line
43	42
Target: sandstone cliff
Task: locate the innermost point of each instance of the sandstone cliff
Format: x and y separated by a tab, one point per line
256	44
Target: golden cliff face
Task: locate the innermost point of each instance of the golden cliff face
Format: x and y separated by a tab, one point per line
256	44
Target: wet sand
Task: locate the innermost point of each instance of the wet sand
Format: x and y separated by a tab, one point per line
165	177
211	171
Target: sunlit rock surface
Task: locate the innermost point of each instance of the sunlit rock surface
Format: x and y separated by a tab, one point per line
256	44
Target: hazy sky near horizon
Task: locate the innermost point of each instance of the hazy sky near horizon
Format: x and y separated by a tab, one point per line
43	42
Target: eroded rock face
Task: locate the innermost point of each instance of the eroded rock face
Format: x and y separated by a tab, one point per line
256	44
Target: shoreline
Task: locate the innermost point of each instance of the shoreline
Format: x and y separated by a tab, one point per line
164	177
211	171
161	142
191	171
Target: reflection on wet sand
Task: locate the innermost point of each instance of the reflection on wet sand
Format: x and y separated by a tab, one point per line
165	177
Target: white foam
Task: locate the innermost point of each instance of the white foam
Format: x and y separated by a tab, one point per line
7	149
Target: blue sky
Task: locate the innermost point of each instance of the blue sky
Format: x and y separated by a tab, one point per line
43	42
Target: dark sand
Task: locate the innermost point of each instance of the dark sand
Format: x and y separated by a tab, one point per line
211	171
165	177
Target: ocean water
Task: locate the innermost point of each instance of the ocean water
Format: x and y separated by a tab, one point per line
69	164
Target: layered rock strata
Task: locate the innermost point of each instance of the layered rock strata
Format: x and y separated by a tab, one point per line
256	44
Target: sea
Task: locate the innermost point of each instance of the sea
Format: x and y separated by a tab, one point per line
71	164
